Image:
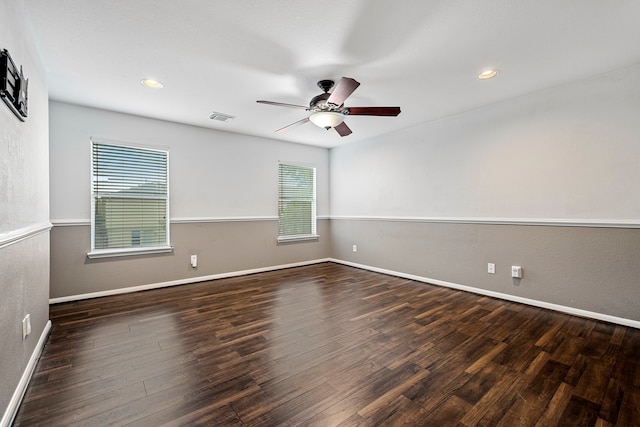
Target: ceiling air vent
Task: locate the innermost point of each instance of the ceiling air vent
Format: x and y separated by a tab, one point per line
221	117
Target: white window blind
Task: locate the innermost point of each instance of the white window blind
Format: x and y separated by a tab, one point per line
297	202
130	208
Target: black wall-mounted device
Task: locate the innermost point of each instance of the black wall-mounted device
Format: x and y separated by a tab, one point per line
13	86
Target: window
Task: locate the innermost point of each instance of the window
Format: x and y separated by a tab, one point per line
129	200
297	202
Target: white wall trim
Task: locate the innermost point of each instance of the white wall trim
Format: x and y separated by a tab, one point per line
18	394
183	281
508	297
180	220
514	298
145	250
16	236
189	220
70	222
555	222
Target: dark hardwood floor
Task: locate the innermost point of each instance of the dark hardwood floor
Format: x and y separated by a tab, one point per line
329	345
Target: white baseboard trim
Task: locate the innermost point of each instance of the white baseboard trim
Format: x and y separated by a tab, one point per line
535	303
542	304
18	394
182	281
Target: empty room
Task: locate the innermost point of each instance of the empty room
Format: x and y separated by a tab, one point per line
336	213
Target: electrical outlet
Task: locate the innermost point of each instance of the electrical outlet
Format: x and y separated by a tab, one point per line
516	271
491	268
194	261
355	248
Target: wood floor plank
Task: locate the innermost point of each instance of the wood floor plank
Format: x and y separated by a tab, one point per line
556	406
400	386
328	345
612	402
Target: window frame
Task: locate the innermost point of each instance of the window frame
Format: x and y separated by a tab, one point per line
130	250
282	238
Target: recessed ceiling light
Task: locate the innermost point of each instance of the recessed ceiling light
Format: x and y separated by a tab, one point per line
487	74
152	83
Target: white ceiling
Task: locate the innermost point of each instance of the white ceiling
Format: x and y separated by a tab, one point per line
423	56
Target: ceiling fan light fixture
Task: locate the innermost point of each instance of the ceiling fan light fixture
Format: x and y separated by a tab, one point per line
327	109
326	119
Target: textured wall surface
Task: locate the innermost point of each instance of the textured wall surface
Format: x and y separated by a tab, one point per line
24	209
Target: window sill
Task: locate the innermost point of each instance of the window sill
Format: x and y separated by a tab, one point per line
109	253
298	238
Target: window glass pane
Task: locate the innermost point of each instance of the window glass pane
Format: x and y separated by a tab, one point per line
129	171
296	182
296	218
123	221
130	207
297	203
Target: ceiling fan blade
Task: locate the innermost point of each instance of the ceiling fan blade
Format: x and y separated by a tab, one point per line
282	104
373	111
343	129
345	87
294	124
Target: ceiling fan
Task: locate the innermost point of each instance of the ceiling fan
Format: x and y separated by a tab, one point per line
329	110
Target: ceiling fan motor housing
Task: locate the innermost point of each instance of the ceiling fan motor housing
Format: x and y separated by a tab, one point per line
319	103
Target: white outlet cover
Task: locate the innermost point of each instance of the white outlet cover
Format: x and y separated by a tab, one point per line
491	268
516	271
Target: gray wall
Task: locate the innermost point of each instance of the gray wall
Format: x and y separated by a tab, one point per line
221	247
24	209
547	181
223	201
592	269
